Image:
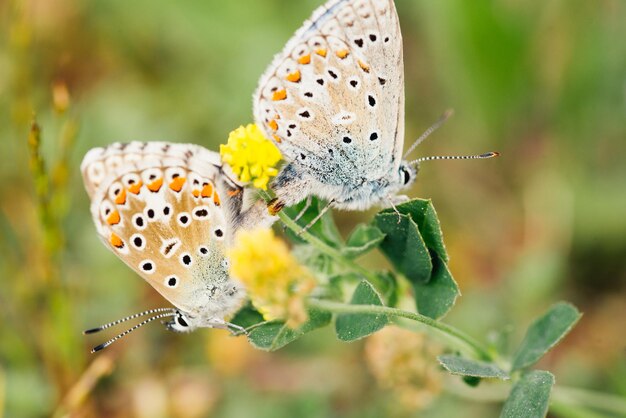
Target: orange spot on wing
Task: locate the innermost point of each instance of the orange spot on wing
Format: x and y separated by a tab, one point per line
114	218
116	241
321	52
135	188
273	125
294	77
216	199
233	193
343	53
177	184
305	59
279	95
155	186
120	199
277	138
195	193
207	190
364	66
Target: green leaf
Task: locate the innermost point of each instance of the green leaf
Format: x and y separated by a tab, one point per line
545	333
404	247
466	367
247	317
350	327
363	239
324	229
530	396
271	336
435	298
422	212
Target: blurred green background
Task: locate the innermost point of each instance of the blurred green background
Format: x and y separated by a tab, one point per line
544	83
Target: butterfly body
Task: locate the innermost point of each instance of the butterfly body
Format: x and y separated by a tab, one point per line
333	101
170	211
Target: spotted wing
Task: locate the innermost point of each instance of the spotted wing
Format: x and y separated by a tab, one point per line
336	92
159	207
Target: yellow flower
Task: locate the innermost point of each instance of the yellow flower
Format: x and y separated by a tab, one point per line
276	283
404	363
251	156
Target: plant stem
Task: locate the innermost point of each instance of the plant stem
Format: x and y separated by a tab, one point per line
594	400
463	341
330	251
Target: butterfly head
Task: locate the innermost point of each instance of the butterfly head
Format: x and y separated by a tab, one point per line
181	323
407	174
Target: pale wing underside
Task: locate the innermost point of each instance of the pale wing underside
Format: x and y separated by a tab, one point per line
158	207
336	92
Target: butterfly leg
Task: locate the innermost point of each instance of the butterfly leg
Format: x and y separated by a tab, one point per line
317	218
309	201
234	329
290	187
391	202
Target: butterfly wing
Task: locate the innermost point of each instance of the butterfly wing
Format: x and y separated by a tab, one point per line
159	207
333	99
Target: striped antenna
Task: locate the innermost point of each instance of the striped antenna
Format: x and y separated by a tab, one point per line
128	331
456	157
128	318
442	119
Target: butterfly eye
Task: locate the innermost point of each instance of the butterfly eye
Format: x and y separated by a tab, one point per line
406	176
181	321
172	282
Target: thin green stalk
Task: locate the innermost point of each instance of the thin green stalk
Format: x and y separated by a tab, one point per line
328	250
594	400
463	341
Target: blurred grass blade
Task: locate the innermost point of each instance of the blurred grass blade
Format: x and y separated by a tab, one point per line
545	333
530	396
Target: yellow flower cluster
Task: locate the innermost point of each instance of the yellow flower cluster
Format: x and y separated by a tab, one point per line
276	283
251	156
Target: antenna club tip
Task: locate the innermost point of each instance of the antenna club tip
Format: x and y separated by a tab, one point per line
448	113
495	154
99	347
91	331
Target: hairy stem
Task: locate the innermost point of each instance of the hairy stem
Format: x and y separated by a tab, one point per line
330	251
460	340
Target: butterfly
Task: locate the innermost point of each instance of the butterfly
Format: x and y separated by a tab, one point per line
170	211
333	102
